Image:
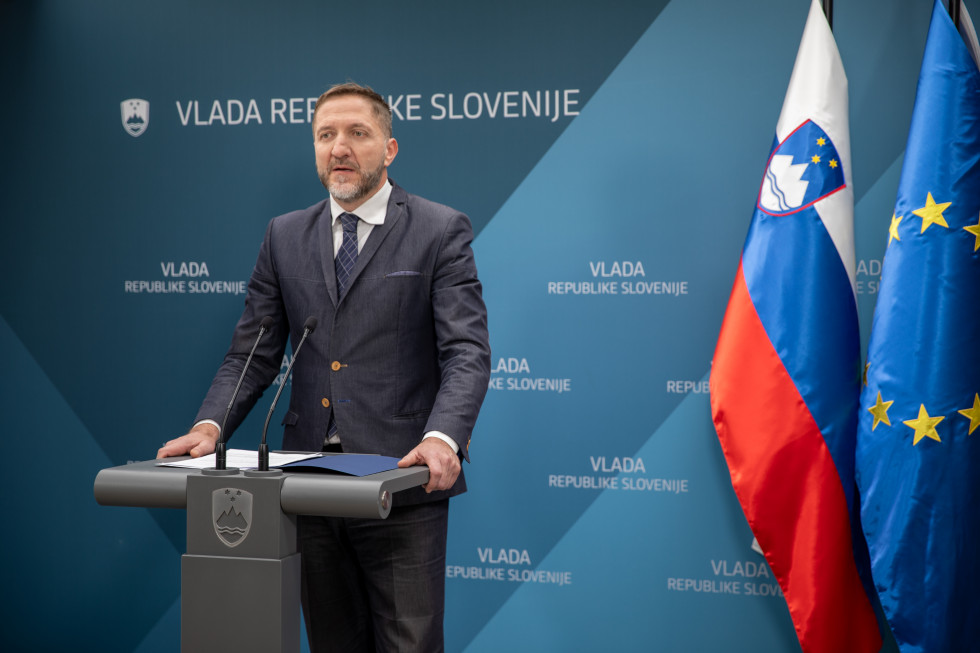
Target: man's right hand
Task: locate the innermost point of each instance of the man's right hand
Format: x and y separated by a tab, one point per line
198	442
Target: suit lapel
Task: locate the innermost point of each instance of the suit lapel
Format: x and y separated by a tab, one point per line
325	240
396	209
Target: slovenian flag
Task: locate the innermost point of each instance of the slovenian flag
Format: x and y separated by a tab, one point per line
785	380
918	449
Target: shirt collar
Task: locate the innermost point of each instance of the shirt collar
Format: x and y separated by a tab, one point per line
372	211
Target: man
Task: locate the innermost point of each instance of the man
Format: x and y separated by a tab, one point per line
398	365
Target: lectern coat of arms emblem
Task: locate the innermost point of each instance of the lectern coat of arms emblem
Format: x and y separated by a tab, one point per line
231	509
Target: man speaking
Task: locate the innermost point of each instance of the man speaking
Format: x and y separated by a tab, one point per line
398	365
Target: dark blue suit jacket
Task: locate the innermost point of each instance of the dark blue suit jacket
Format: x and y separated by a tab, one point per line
405	350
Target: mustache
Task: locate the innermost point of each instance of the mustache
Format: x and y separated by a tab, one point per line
346	163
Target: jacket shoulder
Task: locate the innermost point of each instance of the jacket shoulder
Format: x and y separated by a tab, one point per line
307	216
420	207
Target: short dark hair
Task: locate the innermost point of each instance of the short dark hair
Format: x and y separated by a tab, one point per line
381	109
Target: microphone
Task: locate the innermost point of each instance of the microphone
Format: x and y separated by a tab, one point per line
308	328
220	454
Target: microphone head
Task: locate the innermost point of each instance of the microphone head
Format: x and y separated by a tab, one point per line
310	324
267	322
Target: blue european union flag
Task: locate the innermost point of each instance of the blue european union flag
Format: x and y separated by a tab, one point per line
918	450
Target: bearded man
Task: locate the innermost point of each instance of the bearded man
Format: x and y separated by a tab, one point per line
398	365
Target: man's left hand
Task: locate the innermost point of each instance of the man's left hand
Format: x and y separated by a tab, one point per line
442	461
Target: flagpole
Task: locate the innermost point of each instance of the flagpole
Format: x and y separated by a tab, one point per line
828	11
954	12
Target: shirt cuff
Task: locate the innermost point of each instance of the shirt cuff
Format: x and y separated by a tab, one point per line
445	438
211	422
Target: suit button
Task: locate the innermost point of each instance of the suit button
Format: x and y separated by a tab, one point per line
325	402
335	365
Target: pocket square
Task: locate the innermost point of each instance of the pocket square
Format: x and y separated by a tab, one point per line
404	273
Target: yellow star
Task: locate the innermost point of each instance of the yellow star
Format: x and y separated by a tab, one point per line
975	230
925	426
973	414
821	141
833	163
893	229
880	411
932	213
815	158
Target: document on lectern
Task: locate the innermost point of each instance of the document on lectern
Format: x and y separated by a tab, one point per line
242	459
351	464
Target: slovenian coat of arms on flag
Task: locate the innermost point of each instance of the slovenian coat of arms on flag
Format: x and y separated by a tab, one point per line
802	170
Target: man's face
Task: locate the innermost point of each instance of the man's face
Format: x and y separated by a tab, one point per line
352	152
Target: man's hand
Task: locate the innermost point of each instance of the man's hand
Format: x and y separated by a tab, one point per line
199	442
442	461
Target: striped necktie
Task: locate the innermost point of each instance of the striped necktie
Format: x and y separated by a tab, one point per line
347	256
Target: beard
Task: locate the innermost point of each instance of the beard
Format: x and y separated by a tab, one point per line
351	191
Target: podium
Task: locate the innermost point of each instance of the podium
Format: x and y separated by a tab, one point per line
240	577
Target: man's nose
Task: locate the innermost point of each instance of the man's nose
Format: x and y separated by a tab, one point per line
341	148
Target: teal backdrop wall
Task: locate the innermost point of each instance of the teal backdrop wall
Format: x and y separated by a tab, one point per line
609	155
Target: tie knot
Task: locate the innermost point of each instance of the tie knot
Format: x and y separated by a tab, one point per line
349	222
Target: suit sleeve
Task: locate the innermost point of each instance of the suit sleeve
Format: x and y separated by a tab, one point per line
462	338
263	297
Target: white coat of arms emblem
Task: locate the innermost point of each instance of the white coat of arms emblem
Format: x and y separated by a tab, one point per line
135	116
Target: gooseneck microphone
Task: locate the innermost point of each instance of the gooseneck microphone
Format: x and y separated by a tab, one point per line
308	328
220	453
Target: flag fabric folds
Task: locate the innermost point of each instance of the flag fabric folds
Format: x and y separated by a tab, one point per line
918	448
785	379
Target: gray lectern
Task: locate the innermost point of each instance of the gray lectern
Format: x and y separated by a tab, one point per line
240	576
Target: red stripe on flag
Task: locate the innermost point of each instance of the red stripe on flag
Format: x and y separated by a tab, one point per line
789	488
